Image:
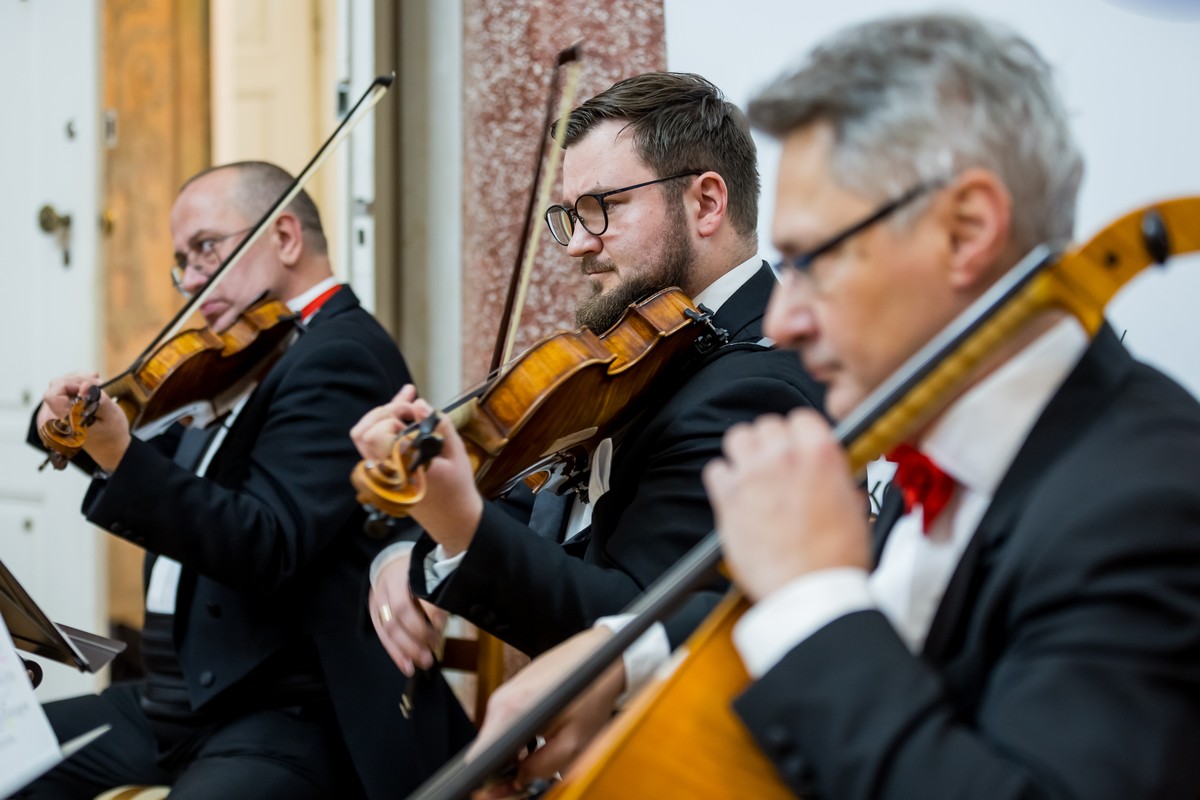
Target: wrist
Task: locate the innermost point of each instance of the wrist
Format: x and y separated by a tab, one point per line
108	456
455	532
387	557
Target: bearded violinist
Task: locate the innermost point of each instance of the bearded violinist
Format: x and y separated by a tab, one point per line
660	188
263	677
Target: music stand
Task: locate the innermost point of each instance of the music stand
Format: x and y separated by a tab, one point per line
33	632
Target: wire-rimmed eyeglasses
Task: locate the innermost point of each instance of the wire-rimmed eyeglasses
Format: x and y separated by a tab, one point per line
206	256
803	261
591	211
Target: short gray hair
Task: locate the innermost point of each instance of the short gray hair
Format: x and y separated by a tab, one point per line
918	98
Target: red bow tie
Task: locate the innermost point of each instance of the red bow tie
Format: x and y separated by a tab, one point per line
921	481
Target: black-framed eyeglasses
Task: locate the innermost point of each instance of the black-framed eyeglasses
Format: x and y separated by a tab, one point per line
205	251
591	211
803	261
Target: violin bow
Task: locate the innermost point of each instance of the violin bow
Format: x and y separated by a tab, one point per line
518	285
1045	279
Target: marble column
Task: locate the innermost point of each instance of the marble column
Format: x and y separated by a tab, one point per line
509	51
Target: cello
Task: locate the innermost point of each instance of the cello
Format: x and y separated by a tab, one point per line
693	704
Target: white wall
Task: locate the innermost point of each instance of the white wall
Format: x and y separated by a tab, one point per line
431	167
1130	73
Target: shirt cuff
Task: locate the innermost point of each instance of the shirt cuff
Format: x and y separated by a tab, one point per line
788	616
438	567
387	555
642	657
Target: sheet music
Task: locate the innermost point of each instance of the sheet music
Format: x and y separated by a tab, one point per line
28	746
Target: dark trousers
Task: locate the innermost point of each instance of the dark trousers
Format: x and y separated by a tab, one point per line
278	753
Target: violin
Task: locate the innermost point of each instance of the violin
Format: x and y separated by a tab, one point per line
716	756
545	413
198	375
543	416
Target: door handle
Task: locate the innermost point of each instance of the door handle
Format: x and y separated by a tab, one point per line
50	221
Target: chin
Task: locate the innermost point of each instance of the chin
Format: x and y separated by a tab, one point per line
840	399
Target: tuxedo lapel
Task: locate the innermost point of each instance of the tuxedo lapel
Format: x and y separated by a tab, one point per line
741	315
192	445
548	518
193	442
1070	412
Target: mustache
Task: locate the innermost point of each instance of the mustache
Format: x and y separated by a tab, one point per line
591	264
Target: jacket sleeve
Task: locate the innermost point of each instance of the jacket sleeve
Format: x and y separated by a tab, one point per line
268	517
1090	655
534	593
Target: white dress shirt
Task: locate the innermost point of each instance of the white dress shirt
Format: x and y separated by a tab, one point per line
975	442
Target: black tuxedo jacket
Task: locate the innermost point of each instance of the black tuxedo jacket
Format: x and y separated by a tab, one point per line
1064	659
273	551
533	593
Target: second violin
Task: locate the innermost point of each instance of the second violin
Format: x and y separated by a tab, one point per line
550	408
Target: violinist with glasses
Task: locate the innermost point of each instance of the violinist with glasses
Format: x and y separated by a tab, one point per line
659	189
255	644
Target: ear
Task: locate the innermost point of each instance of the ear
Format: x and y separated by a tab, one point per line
290	238
711	196
980	220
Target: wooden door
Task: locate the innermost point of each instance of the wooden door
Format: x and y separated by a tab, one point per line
156	134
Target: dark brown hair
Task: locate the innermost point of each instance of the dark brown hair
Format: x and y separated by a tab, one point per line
681	122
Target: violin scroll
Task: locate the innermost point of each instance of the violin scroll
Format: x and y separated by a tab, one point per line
398	482
65	437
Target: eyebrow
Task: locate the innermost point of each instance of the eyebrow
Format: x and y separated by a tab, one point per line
575	199
196	237
201	235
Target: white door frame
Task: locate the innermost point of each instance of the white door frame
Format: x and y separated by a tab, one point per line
50	69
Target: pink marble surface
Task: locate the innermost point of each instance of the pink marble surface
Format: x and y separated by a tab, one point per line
509	52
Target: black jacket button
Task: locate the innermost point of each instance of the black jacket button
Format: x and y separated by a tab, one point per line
213	610
207	679
778	739
795	768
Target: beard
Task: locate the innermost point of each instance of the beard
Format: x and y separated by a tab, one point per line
671	266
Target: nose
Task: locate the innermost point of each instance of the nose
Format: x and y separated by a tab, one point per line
582	242
790	320
195	276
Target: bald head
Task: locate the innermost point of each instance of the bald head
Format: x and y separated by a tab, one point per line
258	185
